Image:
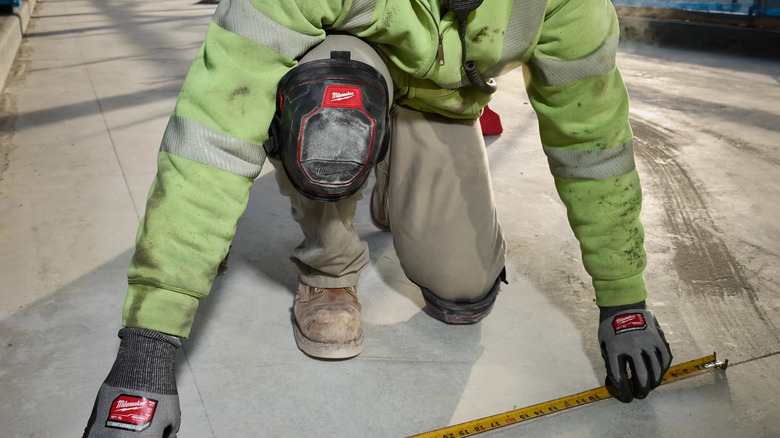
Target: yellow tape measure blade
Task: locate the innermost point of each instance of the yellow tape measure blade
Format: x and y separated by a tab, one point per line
486	424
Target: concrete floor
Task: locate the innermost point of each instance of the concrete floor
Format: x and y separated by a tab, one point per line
81	118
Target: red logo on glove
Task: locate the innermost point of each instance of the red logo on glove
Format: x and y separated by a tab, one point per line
131	413
628	322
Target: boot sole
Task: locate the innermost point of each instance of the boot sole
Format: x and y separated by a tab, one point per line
327	351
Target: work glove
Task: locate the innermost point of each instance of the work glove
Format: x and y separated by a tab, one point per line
630	337
139	399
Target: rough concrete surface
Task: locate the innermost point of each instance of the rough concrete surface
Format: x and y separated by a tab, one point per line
12	28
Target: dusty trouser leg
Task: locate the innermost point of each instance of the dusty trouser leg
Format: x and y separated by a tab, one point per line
331	256
329	259
443	216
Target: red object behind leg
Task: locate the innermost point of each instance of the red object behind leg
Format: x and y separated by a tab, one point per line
490	122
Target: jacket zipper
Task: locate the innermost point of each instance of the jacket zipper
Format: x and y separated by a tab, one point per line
440	51
440	32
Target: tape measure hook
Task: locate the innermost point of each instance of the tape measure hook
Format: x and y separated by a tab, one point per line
716	363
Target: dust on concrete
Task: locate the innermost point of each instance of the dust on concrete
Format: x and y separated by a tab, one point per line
8	116
9	109
713	280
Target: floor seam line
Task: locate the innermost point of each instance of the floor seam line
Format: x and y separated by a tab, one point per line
197	389
108	130
766	356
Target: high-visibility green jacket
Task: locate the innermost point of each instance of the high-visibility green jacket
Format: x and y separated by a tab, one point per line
211	150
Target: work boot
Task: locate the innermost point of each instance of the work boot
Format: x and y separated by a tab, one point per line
327	322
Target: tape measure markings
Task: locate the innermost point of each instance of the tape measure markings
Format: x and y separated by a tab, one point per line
486	424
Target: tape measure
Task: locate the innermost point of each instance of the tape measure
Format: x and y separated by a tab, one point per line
486	424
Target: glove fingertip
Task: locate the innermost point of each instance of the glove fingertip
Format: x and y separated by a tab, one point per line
614	391
659	369
619	388
667	358
624	394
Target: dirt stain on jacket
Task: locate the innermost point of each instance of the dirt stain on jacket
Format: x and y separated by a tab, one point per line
240	91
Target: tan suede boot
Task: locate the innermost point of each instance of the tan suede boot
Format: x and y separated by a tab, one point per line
327	322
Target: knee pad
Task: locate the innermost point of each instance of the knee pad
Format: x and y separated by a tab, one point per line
331	124
462	312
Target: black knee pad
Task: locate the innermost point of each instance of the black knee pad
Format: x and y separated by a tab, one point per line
331	125
462	312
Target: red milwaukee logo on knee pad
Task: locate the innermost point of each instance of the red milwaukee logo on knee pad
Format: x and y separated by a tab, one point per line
342	96
131	413
628	322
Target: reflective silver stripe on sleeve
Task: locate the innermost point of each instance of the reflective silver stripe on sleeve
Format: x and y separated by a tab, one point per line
521	30
559	72
193	140
241	18
524	22
596	164
359	16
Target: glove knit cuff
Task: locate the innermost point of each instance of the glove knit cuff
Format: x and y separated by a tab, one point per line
145	361
608	312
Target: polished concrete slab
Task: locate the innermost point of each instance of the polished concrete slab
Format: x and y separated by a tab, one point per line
81	117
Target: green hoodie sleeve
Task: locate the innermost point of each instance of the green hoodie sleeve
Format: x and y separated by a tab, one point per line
212	151
582	106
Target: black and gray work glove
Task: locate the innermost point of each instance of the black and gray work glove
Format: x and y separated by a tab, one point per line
630	336
139	399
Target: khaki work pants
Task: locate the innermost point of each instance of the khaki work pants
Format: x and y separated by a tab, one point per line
441	209
440	204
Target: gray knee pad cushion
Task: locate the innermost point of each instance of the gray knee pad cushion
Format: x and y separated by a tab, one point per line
462	312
